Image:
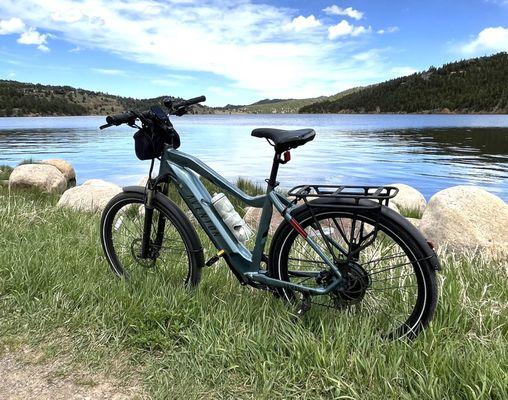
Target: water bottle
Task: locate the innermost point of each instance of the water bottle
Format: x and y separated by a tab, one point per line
231	218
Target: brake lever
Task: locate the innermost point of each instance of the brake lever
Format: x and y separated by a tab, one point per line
105	126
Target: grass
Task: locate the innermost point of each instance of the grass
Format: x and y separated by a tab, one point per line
6	172
6	169
29	161
411	212
225	341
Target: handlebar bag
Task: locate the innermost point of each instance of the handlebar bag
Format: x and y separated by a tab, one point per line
149	145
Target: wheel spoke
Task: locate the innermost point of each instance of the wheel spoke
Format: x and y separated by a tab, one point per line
126	236
382	280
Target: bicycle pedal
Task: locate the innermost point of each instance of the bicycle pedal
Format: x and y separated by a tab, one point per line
215	258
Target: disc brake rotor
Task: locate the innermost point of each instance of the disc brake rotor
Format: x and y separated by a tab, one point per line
148	262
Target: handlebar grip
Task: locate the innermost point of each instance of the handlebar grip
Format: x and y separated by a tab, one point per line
119	119
183	103
195	100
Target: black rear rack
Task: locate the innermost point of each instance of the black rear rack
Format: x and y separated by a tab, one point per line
382	194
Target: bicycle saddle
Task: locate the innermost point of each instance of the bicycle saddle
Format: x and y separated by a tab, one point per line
284	140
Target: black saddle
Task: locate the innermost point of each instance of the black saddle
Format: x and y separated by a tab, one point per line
285	140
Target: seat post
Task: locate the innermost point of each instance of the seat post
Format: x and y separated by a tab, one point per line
272	181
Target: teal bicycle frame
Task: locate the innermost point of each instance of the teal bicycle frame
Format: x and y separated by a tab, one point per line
181	169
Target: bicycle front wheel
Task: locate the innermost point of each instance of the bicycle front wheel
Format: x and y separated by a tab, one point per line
174	247
390	281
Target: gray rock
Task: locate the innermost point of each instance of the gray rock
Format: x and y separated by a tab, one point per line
463	219
408	198
46	178
63	166
93	195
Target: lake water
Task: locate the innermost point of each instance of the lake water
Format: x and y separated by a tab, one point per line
429	152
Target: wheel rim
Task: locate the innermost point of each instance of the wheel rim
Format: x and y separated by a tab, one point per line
386	287
169	258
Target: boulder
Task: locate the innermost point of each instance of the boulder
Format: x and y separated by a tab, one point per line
463	219
46	178
64	167
408	198
394	207
253	214
93	195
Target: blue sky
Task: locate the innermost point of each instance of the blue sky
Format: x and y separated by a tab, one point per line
239	51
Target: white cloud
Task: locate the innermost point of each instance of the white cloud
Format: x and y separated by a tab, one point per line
301	23
241	44
172	80
344	28
390	29
67	15
348	12
488	40
43	48
31	36
76	49
109	71
13	25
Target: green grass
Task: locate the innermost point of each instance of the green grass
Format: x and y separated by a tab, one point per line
29	161
411	212
6	172
6	169
225	341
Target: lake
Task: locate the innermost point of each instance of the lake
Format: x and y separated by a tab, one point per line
429	152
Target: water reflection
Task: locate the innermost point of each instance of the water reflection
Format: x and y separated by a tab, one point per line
428	152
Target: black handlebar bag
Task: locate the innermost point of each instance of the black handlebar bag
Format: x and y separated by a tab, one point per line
149	143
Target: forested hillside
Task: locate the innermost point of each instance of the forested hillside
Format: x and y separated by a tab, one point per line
470	86
478	85
26	99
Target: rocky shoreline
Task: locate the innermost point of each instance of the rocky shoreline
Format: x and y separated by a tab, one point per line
458	220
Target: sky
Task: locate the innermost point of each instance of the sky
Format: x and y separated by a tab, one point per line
239	51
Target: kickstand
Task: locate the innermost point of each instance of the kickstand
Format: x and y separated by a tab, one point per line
304	305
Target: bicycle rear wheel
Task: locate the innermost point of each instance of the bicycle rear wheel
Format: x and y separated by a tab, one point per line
390	282
174	249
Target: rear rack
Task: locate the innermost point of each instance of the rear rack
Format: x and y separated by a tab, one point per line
382	194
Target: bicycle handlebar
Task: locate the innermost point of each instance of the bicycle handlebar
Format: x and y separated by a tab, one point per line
183	103
176	108
123	118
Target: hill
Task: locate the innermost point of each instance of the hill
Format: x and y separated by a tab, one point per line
280	106
478	85
27	99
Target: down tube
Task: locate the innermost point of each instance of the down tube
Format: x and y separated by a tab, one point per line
199	202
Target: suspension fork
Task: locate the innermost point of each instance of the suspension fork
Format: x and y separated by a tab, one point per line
147	225
161	223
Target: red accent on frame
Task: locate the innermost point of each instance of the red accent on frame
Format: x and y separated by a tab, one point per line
297	227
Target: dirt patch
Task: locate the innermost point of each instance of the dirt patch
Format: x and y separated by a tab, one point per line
25	376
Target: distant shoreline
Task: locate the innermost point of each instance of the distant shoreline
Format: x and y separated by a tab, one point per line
239	113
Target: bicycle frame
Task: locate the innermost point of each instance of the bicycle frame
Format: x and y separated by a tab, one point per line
183	169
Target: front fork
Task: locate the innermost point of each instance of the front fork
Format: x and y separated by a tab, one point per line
147	224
